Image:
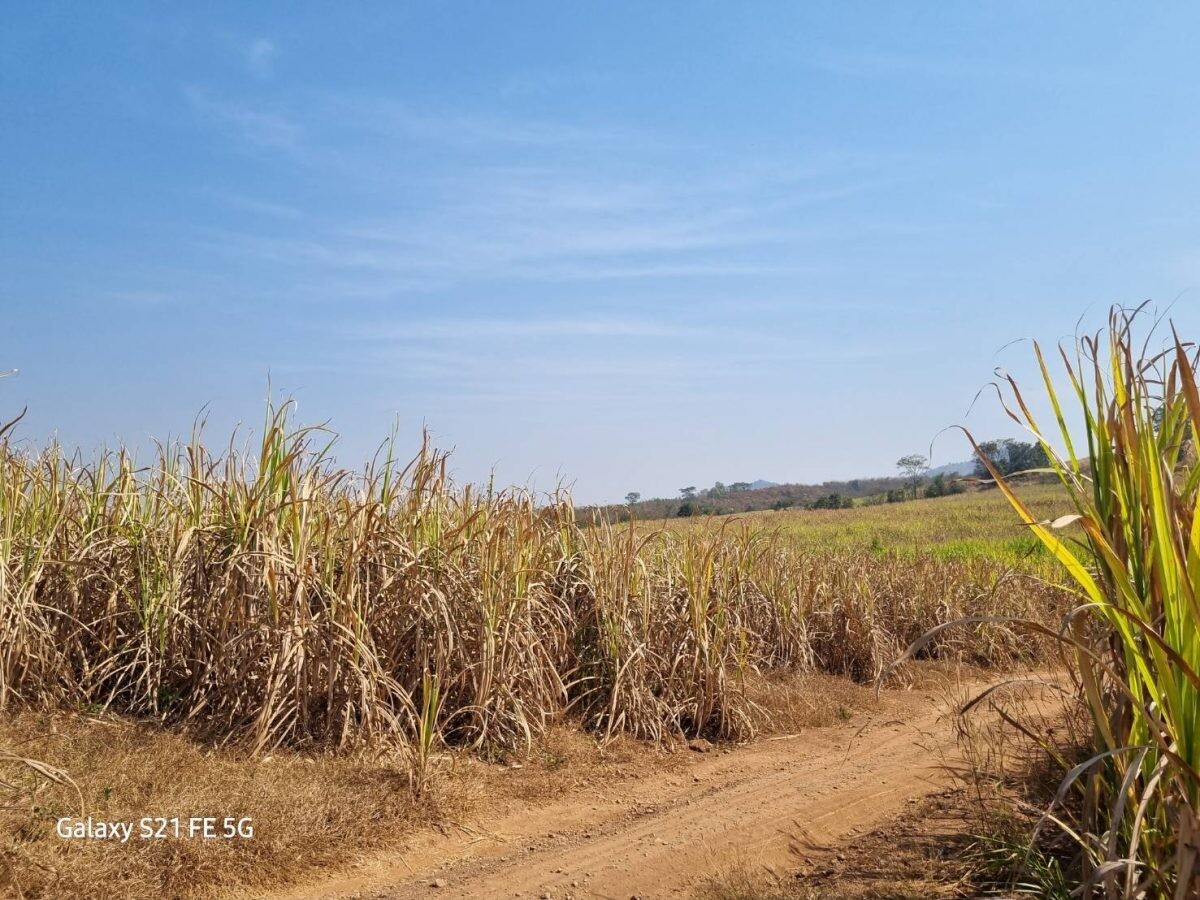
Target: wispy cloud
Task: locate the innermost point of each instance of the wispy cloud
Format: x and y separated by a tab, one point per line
868	64
256	205
254	127
431	263
260	57
464	128
597	357
146	299
549	81
508	370
494	329
399	204
563	224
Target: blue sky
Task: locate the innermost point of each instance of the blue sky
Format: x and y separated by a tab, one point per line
631	246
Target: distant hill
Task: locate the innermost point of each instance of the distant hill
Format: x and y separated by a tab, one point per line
966	467
746	497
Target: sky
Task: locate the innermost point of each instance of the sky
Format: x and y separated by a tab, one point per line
618	246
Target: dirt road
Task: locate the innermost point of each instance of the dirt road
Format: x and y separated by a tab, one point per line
656	836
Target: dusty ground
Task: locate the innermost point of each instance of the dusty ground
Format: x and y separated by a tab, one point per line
572	818
769	806
311	812
926	851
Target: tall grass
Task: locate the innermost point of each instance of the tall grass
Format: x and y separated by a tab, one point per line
276	598
1136	632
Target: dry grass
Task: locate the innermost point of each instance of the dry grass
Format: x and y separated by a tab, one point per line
310	811
281	601
307	810
788	704
270	635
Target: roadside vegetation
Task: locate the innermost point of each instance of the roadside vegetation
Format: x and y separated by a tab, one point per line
277	604
1103	802
1132	548
281	601
914	480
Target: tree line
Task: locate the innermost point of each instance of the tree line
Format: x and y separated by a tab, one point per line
912	482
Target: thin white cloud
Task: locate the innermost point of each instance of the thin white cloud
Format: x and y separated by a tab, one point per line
547	225
464	128
260	57
143	298
492	329
260	129
433	264
256	205
406	223
869	64
559	358
507	368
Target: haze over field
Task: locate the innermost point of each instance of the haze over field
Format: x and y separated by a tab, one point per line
752	240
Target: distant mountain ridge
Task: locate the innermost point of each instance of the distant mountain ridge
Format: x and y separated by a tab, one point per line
760	494
743	497
966	467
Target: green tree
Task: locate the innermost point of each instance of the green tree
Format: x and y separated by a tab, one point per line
1026	455
1010	456
913	467
688	493
832	501
632	497
937	486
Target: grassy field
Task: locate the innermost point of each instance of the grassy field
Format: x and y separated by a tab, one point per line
975	525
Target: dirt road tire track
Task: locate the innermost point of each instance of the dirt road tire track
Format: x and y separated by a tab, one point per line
657	836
